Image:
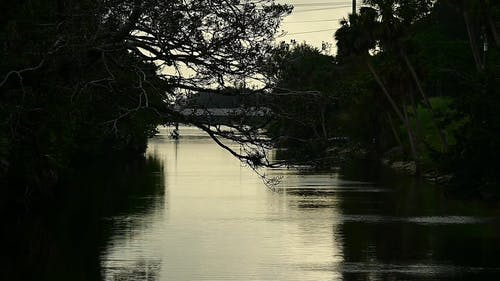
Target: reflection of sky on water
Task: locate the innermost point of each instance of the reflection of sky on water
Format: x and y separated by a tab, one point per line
217	221
220	223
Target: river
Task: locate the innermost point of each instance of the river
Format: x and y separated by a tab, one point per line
190	211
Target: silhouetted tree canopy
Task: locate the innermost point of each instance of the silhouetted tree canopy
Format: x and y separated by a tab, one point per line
81	77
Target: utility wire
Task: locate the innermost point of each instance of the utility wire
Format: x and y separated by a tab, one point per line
304	21
322	9
312	31
320	4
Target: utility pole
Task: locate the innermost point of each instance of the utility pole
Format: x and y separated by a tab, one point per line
354	10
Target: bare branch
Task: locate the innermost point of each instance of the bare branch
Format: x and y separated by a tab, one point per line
20	72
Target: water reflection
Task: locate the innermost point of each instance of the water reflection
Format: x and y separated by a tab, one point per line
65	242
222	223
416	233
189	211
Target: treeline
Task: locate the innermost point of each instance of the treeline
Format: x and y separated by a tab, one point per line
415	81
412	80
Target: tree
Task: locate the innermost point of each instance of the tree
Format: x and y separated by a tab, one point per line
303	100
421	59
355	39
90	76
389	25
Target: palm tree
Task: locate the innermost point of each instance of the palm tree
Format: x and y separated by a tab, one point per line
356	37
395	16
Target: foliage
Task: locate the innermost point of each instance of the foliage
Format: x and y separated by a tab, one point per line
303	100
424	48
416	77
84	78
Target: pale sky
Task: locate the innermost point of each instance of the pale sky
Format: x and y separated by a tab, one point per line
314	21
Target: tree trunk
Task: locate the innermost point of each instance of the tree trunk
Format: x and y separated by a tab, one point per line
323	124
418	128
384	90
404	117
413	145
473	43
394	131
493	29
441	133
486	8
416	133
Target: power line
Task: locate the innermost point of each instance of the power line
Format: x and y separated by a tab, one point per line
312	31
320	4
304	21
288	2
317	6
322	9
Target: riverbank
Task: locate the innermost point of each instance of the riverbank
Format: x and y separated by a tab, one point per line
410	168
448	181
394	161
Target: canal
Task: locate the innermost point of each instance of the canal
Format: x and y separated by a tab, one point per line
190	211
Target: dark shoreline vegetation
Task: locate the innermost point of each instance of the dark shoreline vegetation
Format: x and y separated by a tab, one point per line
89	79
412	82
65	241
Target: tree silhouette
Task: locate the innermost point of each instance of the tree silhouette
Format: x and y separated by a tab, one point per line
83	77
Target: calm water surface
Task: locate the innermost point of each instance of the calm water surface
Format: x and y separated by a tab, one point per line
192	212
217	221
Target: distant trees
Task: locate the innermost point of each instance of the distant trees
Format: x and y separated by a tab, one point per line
303	100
